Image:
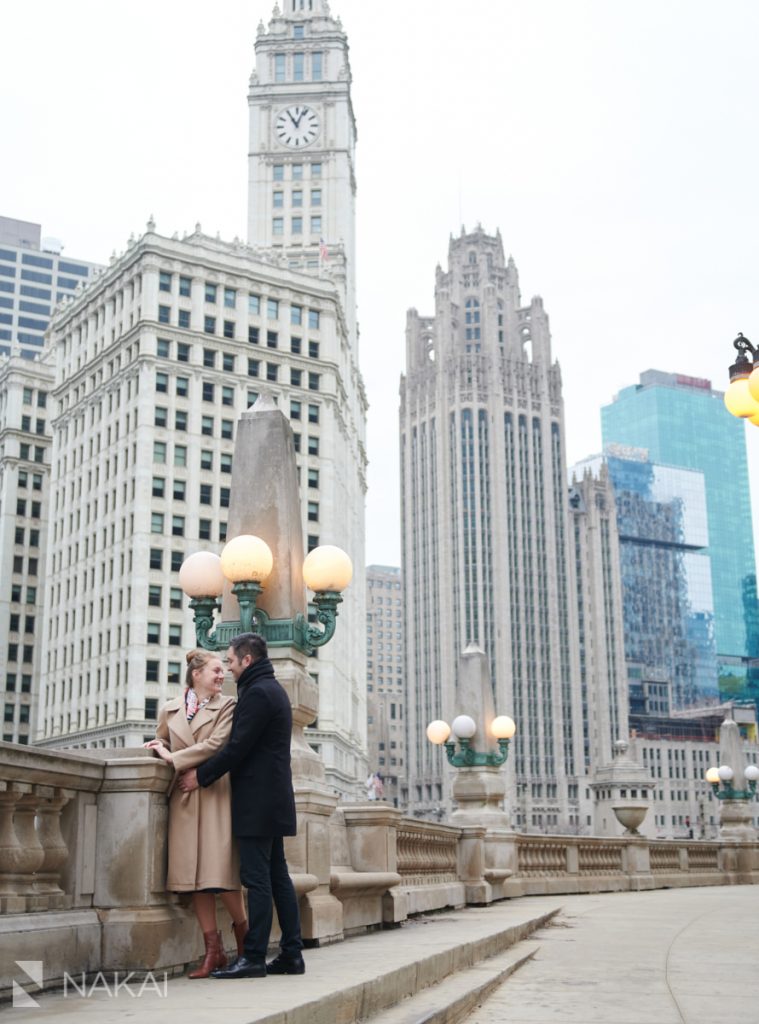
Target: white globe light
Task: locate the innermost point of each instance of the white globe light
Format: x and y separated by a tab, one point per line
200	575
752	773
464	726
712	775
503	727
725	772
438	731
327	568
246	558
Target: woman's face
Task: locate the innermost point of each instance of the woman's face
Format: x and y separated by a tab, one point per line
210	677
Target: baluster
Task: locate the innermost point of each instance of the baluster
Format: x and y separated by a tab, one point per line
55	850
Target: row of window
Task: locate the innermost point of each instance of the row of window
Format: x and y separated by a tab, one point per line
38	277
298	66
296	171
296	225
31	260
23	713
296	198
26	451
212	292
25	683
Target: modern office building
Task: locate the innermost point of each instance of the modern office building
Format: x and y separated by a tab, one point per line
487	553
384	679
155	361
34	277
25	387
666	579
682	422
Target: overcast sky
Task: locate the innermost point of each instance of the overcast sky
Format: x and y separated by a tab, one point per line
613	143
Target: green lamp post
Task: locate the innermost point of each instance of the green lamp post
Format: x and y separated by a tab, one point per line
721	781
246	562
463	728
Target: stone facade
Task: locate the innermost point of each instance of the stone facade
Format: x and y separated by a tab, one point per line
384	680
487	554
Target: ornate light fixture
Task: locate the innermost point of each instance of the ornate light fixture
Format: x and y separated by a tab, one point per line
742	395
246	561
721	781
464	727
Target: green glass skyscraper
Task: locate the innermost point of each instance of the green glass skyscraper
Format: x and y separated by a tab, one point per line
683	422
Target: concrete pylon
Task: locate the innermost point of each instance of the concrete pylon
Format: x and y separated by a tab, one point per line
265	502
735	816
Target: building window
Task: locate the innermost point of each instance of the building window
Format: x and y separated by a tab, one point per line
162	383
313	319
183	386
227	429
208	391
210	292
209	324
278	172
154	595
253	335
224	493
154	633
316	197
227	396
296	315
254	304
204	529
180	454
175	636
297	197
164	281
253	367
185	287
313	511
298	63
159	486
176	560
313	349
295	346
279	70
156	558
297	225
151	669
279	199
313	446
230	298
297	170
313	381
206	459
209	358
225	462
316	66
272	309
151	709
180	420
278	226
206	426
316	170
229	328
316	225
159	452
313	478
163	348
184	318
228	362
164	314
206	494
272	339
272	371
296	377
179	490
160	416
183	352
295	408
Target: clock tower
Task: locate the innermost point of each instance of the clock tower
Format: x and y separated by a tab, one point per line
302	181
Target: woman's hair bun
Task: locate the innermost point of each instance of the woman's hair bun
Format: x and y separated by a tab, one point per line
191	655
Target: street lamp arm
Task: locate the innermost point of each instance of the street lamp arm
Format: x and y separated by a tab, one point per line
204	608
326	613
743	345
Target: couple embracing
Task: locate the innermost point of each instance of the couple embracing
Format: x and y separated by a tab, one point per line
231	803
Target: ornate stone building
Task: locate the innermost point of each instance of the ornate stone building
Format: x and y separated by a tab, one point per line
487	556
384	680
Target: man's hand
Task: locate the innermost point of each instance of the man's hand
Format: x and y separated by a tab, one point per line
188	780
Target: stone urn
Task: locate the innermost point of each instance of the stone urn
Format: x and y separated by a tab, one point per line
630	816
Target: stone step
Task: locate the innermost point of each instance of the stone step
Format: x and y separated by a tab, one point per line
451	1000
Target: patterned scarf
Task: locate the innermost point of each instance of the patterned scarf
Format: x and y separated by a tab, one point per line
192	704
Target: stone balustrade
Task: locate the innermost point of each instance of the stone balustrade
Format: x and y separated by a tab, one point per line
83	849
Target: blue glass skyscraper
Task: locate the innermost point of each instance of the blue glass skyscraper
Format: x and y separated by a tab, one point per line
683	422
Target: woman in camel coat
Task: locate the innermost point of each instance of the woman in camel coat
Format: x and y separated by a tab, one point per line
203	855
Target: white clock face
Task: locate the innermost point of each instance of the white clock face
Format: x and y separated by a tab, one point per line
297	127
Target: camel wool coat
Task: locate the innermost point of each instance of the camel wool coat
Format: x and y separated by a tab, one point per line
202	850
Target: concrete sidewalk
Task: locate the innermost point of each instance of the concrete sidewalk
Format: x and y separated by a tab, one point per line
684	956
673	956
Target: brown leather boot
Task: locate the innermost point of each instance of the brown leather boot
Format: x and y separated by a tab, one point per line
215	956
240	929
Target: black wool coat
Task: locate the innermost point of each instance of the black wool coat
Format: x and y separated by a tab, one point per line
257	756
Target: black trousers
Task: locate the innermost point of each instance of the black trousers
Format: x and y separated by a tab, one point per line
263	872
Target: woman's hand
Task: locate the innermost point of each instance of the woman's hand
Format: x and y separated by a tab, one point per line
158	747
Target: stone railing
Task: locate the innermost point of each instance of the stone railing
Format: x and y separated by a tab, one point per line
83	849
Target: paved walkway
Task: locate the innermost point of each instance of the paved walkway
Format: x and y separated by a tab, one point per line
674	956
679	956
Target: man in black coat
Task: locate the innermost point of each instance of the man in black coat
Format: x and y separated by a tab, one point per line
257	756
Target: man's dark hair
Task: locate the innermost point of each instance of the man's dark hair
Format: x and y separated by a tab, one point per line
252	644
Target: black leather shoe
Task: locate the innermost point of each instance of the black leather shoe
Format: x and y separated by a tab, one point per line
241	968
286	965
